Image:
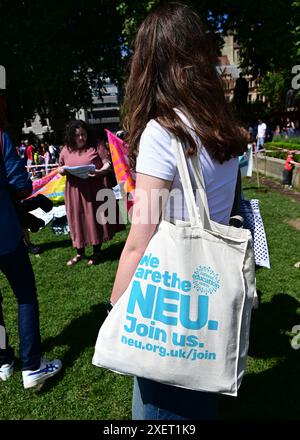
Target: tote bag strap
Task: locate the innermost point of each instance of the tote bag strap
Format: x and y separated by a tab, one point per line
199	215
200	185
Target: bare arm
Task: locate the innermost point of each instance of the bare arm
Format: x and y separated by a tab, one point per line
294	163
141	231
61	163
105	169
62	171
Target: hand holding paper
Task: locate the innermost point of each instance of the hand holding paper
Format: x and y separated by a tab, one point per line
102	171
82	171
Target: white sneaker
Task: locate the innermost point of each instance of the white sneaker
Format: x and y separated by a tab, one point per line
6	371
47	369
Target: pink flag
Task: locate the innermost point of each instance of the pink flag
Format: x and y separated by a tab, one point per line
119	156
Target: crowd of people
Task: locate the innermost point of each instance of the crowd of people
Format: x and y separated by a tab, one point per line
262	131
34	155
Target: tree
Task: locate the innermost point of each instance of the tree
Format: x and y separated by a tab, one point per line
264	30
267	30
296	30
273	87
54	54
134	11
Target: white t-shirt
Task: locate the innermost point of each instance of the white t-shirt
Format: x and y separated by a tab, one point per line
261	130
157	159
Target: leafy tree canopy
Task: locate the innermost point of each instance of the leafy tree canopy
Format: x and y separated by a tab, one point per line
268	30
54	51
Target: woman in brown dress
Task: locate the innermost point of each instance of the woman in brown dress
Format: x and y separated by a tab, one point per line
80	194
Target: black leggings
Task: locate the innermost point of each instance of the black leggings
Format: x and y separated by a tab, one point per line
96	249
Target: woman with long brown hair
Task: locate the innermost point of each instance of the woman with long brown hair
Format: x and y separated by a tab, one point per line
174	89
81	194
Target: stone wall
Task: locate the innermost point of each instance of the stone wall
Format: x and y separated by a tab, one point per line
269	166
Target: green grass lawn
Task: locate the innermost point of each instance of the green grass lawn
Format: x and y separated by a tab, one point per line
72	307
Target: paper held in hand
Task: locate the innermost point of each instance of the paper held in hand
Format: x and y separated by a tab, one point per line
81	171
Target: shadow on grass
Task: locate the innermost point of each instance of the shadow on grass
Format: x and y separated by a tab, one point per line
274	392
112	252
47	246
79	334
256	189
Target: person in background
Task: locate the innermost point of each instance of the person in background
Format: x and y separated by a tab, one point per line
277	131
22	152
261	135
251	133
53	153
174	89
29	154
15	264
287	175
46	157
81	194
289	127
36	156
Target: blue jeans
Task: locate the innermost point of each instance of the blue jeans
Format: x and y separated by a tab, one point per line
260	143
17	268
156	401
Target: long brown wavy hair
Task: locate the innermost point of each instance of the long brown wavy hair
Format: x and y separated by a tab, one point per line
174	67
70	134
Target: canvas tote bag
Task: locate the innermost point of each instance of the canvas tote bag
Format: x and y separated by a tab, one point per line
184	319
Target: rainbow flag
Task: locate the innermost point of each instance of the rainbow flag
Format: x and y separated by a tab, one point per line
119	156
52	186
39	183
